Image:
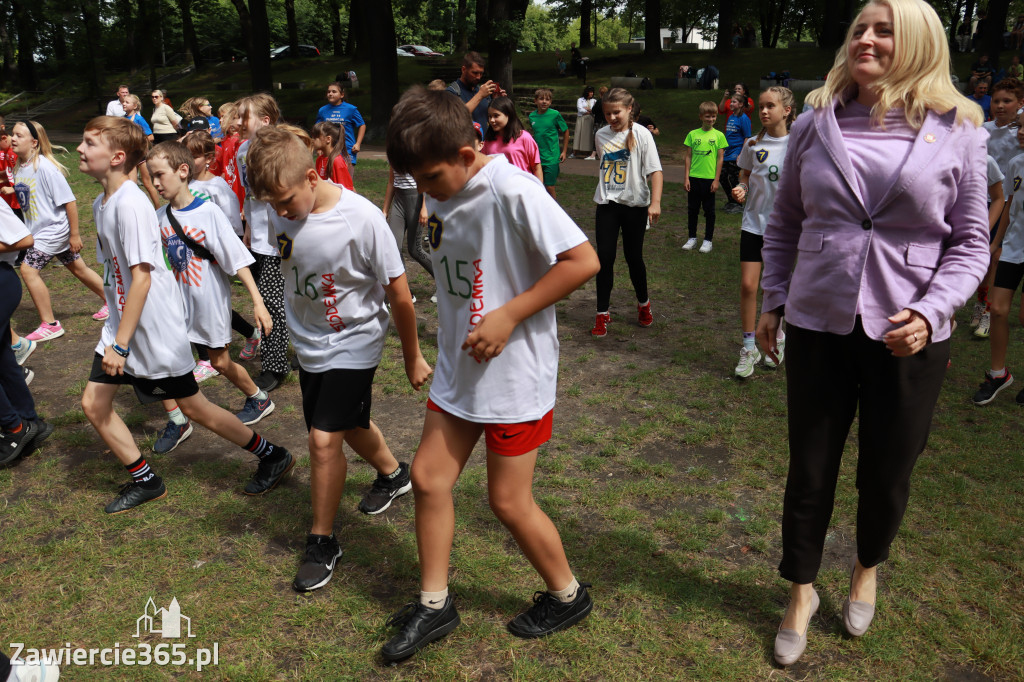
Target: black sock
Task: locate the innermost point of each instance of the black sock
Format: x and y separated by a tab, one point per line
261	447
142	474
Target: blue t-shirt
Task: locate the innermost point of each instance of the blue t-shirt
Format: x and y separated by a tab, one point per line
215	127
737	129
465	93
141	122
985	103
348	117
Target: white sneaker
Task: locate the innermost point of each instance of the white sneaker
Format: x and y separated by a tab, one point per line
414	298
705	247
690	243
26	349
780	351
433	298
983	325
748	358
979	310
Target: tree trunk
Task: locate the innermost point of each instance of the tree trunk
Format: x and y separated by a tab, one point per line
336	34
126	22
260	57
723	43
358	24
771	15
7	73
293	28
954	23
383	67
462	43
969	18
483	32
350	35
93	30
188	32
245	25
26	44
991	42
506	20
59	44
835	22
586	8
652	28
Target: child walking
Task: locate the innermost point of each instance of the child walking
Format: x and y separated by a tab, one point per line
705	152
51	214
760	164
347	117
505	135
628	161
255	112
548	126
331	159
341	250
497	358
145	340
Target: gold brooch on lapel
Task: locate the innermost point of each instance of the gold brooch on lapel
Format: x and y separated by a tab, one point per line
929	138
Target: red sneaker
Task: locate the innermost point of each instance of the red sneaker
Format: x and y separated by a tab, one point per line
644	316
601	324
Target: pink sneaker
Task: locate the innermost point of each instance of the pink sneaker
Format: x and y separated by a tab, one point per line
203	371
101	314
251	346
46	332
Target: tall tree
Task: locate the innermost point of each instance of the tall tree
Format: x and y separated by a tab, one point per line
835	21
652	28
188	33
126	20
506	22
90	10
383	66
723	42
770	15
586	8
359	28
462	37
26	28
483	29
991	39
336	34
255	26
293	28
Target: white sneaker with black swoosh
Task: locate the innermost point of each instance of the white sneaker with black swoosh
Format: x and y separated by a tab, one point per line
322	553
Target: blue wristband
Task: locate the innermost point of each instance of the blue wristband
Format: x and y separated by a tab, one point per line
123	352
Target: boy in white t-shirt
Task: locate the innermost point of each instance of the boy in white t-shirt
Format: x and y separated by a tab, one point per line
504	252
145	340
341	252
203	257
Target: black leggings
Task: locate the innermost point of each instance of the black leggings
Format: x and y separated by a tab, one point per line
632	220
700	196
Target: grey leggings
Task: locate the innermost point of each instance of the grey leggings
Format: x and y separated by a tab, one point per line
404	220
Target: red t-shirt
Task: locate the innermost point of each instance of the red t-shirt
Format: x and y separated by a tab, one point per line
7	160
229	166
339	173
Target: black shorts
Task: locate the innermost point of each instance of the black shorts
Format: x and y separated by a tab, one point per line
1008	275
147	390
338	399
750	247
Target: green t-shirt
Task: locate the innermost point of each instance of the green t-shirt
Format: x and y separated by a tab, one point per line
547	128
704	146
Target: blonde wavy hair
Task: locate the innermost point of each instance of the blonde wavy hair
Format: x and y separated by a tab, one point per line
918	79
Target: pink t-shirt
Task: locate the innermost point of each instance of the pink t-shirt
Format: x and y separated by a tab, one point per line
522	152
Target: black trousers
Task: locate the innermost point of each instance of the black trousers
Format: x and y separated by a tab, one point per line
831	377
729	178
700	196
16	404
632	221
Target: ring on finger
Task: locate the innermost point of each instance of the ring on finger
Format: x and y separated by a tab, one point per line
915	337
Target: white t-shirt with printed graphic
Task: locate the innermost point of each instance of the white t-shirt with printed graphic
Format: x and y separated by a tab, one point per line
219	192
1013	240
128	235
12	231
764	161
43	191
335	265
205	286
489	243
623	172
257	213
1002	146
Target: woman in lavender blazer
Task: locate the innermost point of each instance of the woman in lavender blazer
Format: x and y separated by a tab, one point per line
878	234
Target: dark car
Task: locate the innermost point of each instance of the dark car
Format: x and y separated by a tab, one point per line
420	51
285	52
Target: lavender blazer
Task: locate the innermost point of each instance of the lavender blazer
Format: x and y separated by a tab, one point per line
923	247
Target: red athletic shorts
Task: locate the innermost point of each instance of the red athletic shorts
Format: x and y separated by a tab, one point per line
512	440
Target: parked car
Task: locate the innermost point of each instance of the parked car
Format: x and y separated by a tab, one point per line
420	51
285	52
404	53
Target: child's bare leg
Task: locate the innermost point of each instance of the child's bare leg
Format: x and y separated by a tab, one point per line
215	418
552	191
445	446
999	300
87	276
327	471
221	360
98	405
39	293
371	446
750	276
510	488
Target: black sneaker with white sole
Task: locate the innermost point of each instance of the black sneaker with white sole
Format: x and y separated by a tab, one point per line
419	625
269	473
13	444
990	387
385	490
548	614
322	553
131	495
45	431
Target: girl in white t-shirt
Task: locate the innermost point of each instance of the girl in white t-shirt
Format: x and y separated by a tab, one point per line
628	160
760	164
51	214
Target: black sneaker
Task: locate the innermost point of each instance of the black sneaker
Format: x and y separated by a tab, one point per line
989	389
549	615
45	430
13	444
322	552
269	473
385	490
420	625
131	495
1020	397
268	380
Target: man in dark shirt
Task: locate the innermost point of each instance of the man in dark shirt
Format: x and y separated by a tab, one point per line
468	88
983	99
981	71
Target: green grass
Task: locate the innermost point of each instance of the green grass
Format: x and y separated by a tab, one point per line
664	476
